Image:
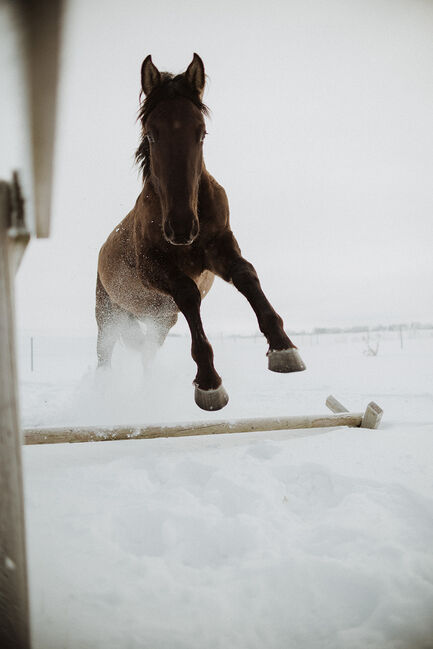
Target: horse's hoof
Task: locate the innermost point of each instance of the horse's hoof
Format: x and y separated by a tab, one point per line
211	399
285	360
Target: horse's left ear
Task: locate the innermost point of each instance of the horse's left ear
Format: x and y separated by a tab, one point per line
195	75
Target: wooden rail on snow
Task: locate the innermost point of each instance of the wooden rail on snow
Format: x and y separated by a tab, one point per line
369	419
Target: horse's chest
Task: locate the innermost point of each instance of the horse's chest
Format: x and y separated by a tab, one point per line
190	262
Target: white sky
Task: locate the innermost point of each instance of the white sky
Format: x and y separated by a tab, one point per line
321	132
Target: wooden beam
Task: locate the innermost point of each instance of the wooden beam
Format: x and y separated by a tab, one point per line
43	19
104	434
14	620
37	24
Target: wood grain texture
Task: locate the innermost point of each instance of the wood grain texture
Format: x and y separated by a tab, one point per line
14	625
44	29
104	434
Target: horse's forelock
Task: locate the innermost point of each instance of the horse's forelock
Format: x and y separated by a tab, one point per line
170	87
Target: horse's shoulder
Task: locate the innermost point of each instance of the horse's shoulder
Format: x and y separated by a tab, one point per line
215	190
213	207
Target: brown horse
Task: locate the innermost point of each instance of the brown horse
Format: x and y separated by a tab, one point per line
163	256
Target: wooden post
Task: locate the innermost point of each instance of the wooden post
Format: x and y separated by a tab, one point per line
14	624
33	26
335	405
371	417
44	25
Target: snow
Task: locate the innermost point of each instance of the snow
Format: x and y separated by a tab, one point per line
315	538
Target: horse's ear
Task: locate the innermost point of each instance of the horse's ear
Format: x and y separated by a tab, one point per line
195	75
150	76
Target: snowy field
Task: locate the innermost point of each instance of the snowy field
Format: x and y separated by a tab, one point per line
283	540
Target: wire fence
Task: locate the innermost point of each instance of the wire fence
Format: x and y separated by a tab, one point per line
40	352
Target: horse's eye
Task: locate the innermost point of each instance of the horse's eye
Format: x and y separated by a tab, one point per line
203	135
150	138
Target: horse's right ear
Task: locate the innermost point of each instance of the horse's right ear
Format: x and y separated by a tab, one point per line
195	75
150	76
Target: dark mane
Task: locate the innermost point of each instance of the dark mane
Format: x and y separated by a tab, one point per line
170	87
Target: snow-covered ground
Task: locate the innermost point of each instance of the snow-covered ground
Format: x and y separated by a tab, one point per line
314	539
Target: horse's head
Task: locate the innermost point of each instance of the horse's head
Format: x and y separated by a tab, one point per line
171	150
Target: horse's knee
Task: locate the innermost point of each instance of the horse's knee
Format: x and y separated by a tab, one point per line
187	296
244	276
201	350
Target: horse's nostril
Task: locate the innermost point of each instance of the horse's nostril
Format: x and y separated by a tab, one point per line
168	230
195	228
184	232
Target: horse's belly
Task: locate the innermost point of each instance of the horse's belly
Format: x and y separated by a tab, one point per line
125	287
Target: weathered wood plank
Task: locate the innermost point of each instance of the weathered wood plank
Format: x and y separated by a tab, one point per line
372	416
14	625
104	434
44	22
334	405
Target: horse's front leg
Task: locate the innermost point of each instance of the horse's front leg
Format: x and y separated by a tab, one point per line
162	274
225	260
209	391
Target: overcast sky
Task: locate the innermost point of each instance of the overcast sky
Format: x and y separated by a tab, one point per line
321	132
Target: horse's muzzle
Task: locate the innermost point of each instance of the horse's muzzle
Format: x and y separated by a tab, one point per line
181	230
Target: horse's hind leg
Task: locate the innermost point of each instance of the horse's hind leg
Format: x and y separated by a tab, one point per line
107	319
157	328
148	343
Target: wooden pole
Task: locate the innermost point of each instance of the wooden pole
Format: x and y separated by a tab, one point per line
14	624
105	434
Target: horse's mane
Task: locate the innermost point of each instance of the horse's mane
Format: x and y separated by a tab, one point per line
170	87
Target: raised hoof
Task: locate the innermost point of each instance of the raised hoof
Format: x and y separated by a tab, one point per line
211	399
285	360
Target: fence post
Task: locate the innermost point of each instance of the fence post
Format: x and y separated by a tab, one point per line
14	608
36	34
